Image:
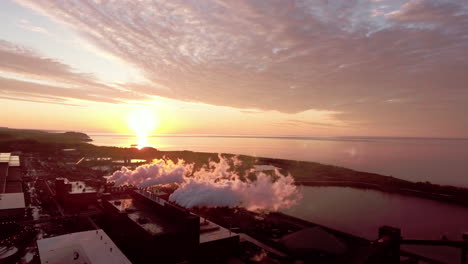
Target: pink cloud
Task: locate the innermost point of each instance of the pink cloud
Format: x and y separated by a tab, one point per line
247	54
47	79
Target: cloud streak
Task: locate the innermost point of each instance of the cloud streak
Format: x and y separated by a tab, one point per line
289	56
25	24
29	75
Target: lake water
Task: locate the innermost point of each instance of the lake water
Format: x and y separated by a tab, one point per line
362	212
441	161
359	212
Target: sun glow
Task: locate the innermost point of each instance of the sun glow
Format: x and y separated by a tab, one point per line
142	122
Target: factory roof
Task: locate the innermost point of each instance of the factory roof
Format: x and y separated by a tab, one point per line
11	160
14	161
11	196
92	247
210	231
143	216
11	201
5	157
78	186
81	187
123	205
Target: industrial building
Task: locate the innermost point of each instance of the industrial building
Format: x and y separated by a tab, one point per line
147	231
12	203
90	247
146	226
74	195
216	241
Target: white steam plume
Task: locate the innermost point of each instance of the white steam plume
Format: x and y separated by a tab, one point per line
159	172
215	186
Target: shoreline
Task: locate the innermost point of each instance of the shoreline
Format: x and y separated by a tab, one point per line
435	161
443	198
304	172
332	138
312	174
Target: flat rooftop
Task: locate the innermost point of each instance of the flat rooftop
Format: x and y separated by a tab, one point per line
14	161
145	216
123	205
210	231
10	174
91	247
12	201
78	186
5	157
81	187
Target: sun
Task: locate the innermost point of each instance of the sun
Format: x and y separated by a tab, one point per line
142	122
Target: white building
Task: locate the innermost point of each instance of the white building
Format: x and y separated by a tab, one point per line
88	247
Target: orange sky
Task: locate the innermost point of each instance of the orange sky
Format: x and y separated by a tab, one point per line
306	68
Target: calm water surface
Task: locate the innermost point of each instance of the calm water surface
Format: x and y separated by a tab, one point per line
439	161
356	211
362	212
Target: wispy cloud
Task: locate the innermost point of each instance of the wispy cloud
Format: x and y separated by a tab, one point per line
26	74
34	101
430	12
25	24
251	111
248	54
312	123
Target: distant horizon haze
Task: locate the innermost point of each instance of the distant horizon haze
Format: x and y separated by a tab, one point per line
130	134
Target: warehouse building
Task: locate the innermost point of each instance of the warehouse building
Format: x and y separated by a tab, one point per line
146	226
145	231
90	247
75	195
12	203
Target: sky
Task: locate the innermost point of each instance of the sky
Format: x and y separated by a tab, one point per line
276	67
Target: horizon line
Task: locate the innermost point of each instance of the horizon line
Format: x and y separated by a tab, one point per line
202	135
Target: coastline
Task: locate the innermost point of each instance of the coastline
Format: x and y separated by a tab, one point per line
441	162
316	174
444	198
304	172
64	150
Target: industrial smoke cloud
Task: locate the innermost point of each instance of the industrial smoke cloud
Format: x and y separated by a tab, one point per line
159	172
215	185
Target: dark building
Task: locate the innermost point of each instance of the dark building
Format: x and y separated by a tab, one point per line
216	242
149	231
12	203
74	195
148	227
